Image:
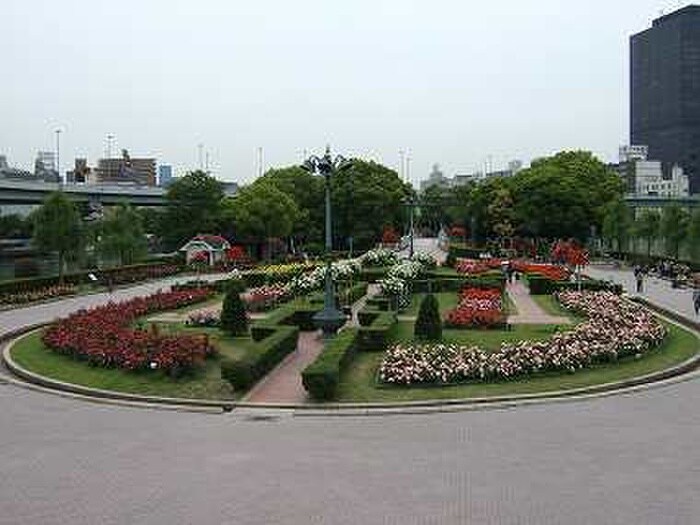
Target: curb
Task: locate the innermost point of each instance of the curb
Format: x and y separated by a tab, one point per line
686	370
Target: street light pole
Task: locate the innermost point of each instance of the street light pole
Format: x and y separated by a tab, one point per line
411	203
58	155
330	319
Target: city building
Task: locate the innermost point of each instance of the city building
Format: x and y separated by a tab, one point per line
3	162
125	170
165	175
8	172
436	178
665	92
80	174
45	166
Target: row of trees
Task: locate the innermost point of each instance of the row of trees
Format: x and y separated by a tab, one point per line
286	203
563	196
674	227
57	227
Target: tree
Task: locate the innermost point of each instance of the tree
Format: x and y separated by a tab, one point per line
428	325
500	213
646	227
234	318
193	206
366	198
694	236
57	228
674	228
13	226
261	211
617	223
121	235
563	196
307	191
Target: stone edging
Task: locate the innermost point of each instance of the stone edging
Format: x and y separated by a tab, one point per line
351	409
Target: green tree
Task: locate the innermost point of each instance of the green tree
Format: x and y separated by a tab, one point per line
57	228
694	236
674	228
500	213
617	224
263	212
307	192
366	198
121	235
428	325
234	319
646	227
434	207
13	226
193	206
563	196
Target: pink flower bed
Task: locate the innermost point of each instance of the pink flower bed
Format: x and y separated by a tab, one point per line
103	335
615	328
265	297
477	266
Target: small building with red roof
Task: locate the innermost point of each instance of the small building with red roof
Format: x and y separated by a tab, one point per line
203	248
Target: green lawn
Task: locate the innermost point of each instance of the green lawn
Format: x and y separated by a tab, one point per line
204	383
551	306
358	382
446	300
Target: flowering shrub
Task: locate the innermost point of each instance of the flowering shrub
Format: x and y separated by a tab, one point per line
477	266
425	259
379	257
207	318
265	297
103	337
550	271
478	307
38	295
615	328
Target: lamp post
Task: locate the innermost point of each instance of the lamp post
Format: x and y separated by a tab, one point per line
58	154
330	319
411	203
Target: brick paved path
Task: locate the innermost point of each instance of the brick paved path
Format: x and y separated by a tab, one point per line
529	312
283	384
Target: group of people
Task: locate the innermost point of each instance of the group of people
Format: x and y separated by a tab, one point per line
668	270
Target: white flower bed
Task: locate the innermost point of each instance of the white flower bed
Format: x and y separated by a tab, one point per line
615	328
379	257
427	260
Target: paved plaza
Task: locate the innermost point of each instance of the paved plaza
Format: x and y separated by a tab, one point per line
623	459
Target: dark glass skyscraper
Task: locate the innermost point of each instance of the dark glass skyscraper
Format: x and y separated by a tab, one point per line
665	90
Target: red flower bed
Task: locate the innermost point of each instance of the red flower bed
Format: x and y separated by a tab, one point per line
103	336
478	307
551	271
477	266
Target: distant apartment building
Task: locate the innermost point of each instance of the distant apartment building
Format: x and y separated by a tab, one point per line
665	91
650	178
3	162
80	174
165	175
436	177
126	170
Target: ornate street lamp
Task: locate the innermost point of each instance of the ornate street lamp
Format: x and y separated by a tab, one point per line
411	203
330	319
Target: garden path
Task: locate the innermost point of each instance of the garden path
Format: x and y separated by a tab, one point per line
529	312
283	384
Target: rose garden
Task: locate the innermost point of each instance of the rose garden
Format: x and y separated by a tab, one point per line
415	330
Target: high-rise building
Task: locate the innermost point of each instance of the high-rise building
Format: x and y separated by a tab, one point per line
165	175
665	91
45	166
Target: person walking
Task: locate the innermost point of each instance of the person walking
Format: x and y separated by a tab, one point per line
639	277
696	298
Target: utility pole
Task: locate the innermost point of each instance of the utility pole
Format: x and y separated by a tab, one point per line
58	155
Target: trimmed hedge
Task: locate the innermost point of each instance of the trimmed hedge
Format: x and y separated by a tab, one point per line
321	378
244	372
540	285
383	304
373	274
379	332
451	284
118	275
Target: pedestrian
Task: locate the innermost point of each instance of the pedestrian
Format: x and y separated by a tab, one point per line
696	298
640	282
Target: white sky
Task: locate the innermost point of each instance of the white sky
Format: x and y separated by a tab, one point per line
450	82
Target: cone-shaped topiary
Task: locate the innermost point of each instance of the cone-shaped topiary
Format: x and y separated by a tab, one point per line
428	325
234	319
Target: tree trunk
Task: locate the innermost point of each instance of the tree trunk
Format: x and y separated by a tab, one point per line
648	247
61	257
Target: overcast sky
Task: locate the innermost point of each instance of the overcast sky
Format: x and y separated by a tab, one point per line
450	82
